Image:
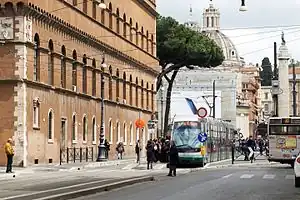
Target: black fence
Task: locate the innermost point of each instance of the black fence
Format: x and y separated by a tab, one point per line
81	154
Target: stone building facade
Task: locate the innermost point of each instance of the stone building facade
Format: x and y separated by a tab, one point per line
50	75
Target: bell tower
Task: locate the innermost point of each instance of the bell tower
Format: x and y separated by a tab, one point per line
211	18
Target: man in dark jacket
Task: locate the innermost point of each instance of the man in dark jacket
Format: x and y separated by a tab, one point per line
173	159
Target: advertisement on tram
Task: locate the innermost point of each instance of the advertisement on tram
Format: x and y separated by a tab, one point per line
284	139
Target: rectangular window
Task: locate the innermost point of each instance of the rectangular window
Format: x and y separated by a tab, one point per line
74	129
63	73
94	10
74	76
85	5
94	89
36	114
84	79
266	95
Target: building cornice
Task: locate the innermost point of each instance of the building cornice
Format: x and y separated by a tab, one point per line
148	8
73	31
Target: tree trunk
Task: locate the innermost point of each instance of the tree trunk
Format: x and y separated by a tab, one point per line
168	101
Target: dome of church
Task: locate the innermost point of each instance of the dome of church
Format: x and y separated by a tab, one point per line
211	28
224	42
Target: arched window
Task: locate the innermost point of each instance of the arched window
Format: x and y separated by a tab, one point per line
36	113
51	63
124	86
131	134
207	22
137	34
137	133
147	96
74	128
94	79
124	26
110	10
94	11
142	38
85	5
212	22
125	133
147	41
130	30
130	89
118	85
36	67
118	21
142	94
110	94
118	132
84	128
84	74
63	68
110	129
94	130
50	125
74	71
136	92
102	14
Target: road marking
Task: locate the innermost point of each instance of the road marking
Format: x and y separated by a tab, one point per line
55	189
159	166
269	176
290	176
227	176
130	166
247	176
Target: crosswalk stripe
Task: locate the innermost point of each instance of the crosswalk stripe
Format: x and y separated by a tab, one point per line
290	176
159	166
269	176
247	176
227	176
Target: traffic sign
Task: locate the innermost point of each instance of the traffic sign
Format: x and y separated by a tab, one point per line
202	137
202	112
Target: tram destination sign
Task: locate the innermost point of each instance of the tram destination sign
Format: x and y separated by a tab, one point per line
285	121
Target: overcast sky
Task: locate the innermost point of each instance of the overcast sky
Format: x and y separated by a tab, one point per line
252	43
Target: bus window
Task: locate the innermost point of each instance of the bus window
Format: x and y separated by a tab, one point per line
294	130
278	130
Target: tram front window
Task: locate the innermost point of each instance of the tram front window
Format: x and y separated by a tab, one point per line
185	134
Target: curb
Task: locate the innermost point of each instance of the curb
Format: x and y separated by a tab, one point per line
98	189
243	165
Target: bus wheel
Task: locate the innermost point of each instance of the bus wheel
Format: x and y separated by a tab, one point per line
297	182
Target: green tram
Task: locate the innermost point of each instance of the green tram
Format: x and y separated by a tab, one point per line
192	151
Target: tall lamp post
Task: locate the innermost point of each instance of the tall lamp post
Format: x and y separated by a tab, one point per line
102	152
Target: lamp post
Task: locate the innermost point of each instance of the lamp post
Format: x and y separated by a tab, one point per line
243	7
102	152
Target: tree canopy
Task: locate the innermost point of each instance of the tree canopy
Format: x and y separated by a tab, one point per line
179	46
266	74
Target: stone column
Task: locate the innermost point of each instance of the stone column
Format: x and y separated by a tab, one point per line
283	77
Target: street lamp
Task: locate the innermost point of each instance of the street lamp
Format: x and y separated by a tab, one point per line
243	7
102	152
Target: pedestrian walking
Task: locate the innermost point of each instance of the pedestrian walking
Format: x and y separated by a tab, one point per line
120	150
138	150
10	154
173	158
150	154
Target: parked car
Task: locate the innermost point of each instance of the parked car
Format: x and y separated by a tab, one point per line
297	171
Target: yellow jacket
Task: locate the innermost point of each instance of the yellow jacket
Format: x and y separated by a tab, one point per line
8	149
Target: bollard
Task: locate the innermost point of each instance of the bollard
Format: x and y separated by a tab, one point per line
74	154
60	157
86	154
80	152
92	154
232	154
67	154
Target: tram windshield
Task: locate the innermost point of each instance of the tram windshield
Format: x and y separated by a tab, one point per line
185	134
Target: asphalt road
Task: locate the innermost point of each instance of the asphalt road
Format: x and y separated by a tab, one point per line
274	183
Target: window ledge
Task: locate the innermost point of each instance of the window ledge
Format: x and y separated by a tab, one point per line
94	142
50	141
84	142
35	127
74	142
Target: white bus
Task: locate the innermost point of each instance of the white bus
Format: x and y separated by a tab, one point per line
284	139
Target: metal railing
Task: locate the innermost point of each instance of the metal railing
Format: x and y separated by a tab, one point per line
73	154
